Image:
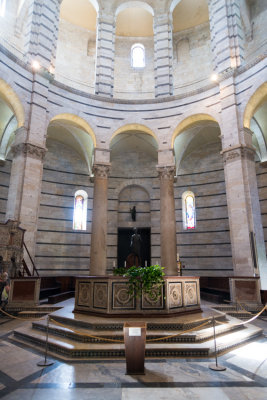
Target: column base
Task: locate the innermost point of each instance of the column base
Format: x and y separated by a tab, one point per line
264	296
245	290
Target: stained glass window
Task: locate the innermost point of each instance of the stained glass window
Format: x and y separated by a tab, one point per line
189	210
138	56
80	210
2	8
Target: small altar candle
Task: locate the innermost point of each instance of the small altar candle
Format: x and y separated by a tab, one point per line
124	264
114	264
145	263
178	258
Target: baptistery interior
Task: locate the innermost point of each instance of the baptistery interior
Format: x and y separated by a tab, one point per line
158	106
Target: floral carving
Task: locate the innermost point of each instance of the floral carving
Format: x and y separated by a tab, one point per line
166	172
29	149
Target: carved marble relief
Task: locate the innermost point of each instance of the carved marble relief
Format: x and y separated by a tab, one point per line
175	295
190	293
84	291
121	299
153	301
100	295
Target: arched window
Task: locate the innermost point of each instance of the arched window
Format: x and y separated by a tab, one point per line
189	210
80	210
138	56
2	8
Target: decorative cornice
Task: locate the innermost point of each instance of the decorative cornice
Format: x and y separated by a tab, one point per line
101	170
238	152
166	172
238	71
30	150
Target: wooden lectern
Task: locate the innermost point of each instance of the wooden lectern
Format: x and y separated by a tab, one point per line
135	342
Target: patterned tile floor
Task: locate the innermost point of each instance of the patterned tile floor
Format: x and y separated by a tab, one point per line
245	376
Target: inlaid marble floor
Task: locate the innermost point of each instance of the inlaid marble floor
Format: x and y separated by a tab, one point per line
21	378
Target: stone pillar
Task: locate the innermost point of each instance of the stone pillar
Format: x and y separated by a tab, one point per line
167	220
99	220
27	166
163	55
42	32
105	40
25	187
246	232
226	34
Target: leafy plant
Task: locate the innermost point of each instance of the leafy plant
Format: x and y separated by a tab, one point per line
147	280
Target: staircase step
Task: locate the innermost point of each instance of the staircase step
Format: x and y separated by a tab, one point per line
82	336
110	324
71	349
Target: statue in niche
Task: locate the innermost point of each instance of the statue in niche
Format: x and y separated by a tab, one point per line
134	258
133	213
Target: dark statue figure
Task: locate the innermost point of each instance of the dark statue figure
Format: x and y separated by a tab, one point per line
135	245
133	213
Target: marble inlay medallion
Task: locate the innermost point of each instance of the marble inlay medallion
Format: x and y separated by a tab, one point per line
154	300
175	294
121	297
100	295
190	293
84	294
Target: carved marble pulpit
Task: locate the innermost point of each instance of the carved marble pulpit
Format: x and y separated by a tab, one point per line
11	247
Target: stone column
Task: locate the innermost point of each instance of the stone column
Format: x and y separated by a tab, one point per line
27	166
167	220
25	187
246	230
42	32
105	40
226	34
99	220
244	213
163	55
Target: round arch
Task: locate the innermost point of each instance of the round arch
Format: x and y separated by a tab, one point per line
78	121
255	101
173	5
189	122
12	99
134	4
95	4
134	127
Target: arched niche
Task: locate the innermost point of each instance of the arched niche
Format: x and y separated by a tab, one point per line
77	42
254	103
134	197
75	133
13	101
255	119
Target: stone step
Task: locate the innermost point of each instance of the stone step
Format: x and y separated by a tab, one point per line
70	349
82	335
110	324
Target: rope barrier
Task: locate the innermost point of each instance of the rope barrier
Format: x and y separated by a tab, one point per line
148	340
249	320
22	319
180	333
121	341
86	334
242	308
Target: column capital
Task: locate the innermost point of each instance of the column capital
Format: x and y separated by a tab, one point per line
101	170
106	17
29	149
163	18
238	152
166	172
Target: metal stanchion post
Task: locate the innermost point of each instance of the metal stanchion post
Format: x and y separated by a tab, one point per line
215	367
46	363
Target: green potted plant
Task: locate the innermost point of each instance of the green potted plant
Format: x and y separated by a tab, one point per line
147	280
